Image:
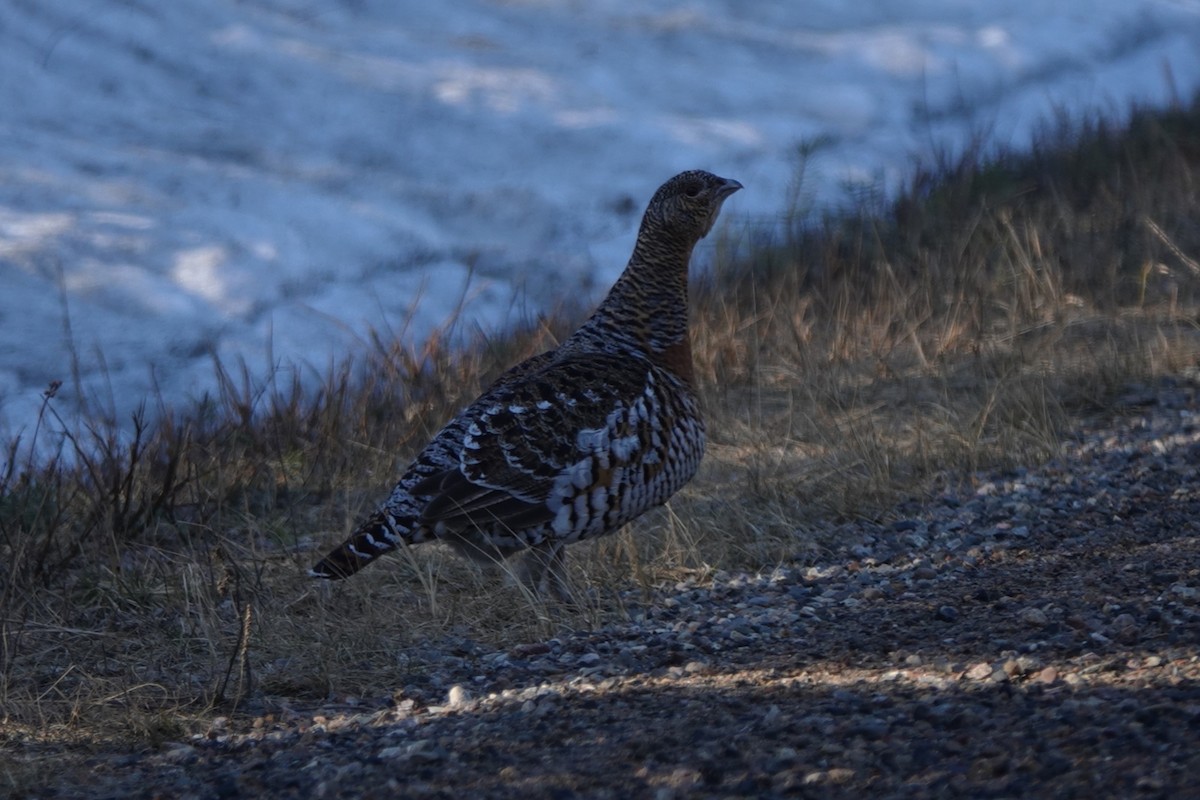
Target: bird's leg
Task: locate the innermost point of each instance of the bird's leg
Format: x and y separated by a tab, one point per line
560	582
544	572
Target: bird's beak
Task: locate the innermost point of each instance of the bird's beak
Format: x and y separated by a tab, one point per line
729	187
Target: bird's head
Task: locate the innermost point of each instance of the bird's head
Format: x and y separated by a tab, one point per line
687	205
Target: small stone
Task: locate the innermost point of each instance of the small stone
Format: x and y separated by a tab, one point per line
836	775
924	573
1034	616
180	754
786	754
1027	664
840	775
1046	675
422	751
980	671
1078	622
869	728
457	697
1125	629
947	613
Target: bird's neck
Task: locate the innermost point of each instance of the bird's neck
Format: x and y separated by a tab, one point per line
647	309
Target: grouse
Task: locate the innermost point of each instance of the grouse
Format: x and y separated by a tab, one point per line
575	442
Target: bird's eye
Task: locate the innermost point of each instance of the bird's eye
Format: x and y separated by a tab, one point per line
693	191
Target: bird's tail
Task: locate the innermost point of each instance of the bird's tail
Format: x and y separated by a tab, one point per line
376	536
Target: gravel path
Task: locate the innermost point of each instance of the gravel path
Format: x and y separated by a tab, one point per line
1037	636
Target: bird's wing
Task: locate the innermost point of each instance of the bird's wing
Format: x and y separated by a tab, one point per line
530	446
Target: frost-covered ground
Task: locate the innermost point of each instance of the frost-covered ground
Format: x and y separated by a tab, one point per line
264	179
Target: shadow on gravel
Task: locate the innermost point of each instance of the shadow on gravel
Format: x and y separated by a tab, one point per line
759	737
1096	695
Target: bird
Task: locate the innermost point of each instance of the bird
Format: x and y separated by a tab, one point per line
573	443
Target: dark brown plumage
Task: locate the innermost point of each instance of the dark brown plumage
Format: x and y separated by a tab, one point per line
577	441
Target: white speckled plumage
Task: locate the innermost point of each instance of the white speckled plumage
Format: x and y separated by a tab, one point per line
575	442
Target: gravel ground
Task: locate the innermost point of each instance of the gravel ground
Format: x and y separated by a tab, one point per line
1034	636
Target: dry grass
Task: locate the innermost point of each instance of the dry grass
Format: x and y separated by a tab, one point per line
150	579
